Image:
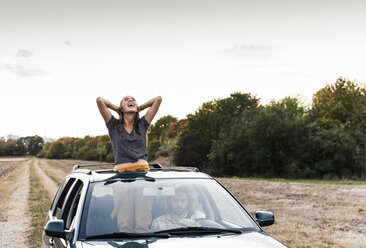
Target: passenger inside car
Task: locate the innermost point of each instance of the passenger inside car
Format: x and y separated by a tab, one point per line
180	211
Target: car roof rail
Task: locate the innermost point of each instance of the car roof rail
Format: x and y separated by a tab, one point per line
181	168
85	171
78	166
156	165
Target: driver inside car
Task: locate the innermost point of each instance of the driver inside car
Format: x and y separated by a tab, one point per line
180	212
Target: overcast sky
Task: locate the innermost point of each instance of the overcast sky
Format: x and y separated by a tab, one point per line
56	57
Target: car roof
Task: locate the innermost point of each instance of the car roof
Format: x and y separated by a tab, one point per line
156	172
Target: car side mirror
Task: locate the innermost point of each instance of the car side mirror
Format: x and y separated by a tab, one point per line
264	218
55	228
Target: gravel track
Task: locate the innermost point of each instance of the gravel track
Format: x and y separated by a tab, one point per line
52	171
47	182
13	230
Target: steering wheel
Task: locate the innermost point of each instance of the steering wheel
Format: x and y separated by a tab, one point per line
188	222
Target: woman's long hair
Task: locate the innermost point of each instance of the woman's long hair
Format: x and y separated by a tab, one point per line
121	121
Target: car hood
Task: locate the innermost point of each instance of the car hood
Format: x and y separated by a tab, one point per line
252	240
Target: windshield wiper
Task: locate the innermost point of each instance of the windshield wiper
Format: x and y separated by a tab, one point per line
128	235
197	229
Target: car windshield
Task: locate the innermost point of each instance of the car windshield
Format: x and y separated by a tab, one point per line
140	206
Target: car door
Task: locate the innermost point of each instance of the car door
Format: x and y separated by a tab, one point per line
56	207
65	209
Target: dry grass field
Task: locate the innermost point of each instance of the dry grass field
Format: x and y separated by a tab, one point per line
307	214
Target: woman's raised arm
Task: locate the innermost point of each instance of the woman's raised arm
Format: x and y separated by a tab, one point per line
104	106
153	106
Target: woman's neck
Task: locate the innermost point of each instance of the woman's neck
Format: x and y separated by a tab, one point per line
129	119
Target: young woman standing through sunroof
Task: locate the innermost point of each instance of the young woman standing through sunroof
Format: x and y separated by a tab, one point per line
128	137
128	132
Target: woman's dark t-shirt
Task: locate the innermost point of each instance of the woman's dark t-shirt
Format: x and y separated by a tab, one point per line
128	147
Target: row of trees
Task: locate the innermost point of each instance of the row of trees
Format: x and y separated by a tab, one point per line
96	148
31	145
161	143
238	136
88	148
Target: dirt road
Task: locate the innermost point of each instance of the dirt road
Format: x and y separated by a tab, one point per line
14	194
47	182
14	190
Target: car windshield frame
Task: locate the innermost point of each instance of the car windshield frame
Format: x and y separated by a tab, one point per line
204	185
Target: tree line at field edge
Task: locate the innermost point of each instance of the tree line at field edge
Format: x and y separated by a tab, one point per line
237	136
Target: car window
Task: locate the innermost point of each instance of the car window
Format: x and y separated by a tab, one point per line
61	196
226	208
70	207
58	193
140	206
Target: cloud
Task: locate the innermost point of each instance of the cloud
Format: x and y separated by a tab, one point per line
24	53
67	43
21	71
250	52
